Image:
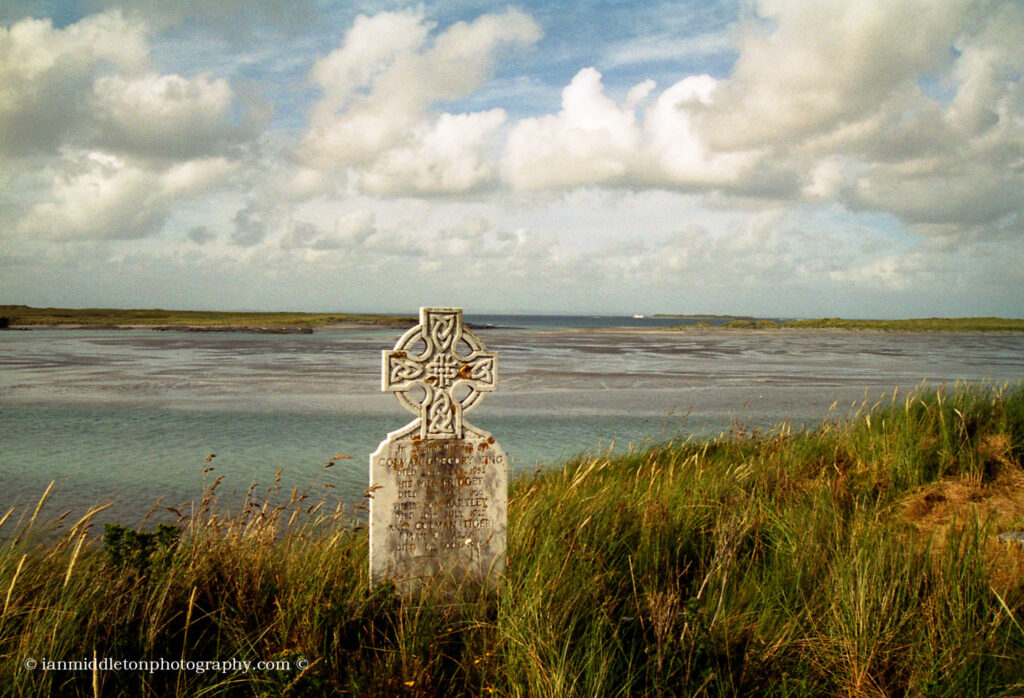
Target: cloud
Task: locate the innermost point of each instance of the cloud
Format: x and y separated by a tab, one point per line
195	177
833	92
666	47
201	235
825	103
357	238
371	47
807	152
302	183
250	225
894	272
97	195
592	140
299	235
100	144
826	179
967	168
967	193
166	115
824	63
378	88
351	230
46	75
91	85
676	149
443	158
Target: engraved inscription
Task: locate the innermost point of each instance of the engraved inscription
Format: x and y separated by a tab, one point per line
442	501
438	507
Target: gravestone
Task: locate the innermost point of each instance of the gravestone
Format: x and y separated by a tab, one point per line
438	485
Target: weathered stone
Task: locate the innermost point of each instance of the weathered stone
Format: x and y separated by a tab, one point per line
1013	537
438	486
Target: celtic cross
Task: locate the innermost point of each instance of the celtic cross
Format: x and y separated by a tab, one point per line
429	357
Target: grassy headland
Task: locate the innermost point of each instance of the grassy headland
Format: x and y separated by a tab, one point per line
856	559
26	316
705	316
960	324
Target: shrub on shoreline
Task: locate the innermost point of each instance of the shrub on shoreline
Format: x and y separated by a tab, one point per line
858	558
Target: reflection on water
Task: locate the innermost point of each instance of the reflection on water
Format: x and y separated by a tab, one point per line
130	416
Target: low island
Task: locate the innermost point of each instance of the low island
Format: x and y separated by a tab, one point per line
24	316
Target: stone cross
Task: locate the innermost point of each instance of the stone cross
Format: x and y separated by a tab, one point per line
438	485
439	369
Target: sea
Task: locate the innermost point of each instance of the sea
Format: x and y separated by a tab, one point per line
145	419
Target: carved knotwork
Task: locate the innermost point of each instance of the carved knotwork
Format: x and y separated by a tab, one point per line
401	369
451	383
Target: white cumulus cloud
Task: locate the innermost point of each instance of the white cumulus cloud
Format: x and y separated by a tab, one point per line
827	101
374	118
46	75
162	114
444	157
97	195
592	140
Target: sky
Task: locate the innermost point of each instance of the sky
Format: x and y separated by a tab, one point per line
779	158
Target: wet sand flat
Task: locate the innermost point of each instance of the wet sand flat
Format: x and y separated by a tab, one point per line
133	414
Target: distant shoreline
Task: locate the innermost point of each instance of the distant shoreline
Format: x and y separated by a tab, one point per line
175	328
937	325
703	316
966	324
932	324
22	317
728	328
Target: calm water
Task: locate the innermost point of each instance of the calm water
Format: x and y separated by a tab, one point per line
130	416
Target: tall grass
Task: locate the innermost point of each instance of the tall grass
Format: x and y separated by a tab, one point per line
857	559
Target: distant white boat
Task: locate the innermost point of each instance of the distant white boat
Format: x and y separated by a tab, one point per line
638	316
